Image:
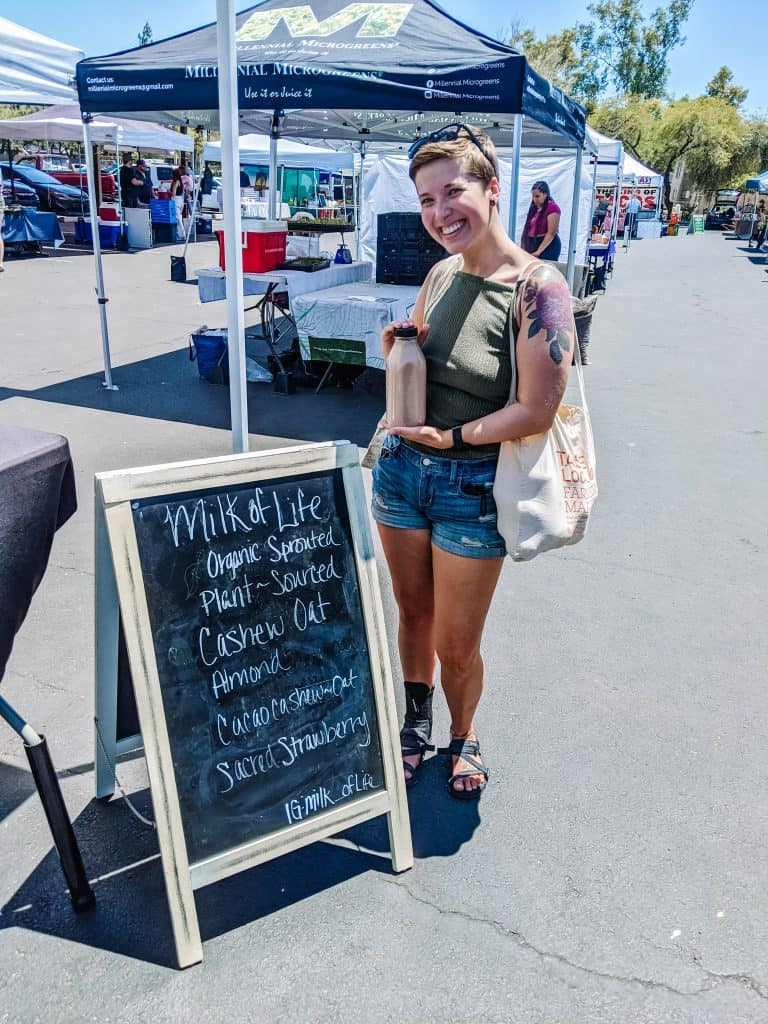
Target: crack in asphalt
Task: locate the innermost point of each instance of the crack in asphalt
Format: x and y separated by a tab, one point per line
713	979
36	679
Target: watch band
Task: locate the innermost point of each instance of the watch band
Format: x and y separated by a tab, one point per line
459	444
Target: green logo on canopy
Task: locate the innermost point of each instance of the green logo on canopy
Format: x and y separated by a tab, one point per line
380	20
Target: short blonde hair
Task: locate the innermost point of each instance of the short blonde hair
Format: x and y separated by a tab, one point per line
480	163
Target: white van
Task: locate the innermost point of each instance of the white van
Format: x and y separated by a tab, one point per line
160	173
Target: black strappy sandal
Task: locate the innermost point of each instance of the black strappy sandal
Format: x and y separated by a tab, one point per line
417	728
468	750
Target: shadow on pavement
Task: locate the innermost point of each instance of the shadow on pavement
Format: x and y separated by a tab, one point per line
440	825
16	786
131	914
166	387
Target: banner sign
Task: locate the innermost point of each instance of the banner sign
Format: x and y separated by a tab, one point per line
331	55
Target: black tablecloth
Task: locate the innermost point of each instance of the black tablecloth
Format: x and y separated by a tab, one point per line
31	226
37	496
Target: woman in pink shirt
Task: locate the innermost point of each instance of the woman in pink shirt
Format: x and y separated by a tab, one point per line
540	237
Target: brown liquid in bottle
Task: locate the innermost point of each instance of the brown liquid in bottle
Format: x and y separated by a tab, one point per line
406	381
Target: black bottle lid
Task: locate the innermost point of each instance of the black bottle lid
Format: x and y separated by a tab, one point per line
407	332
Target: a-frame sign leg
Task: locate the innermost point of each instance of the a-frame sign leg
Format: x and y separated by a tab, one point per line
107	614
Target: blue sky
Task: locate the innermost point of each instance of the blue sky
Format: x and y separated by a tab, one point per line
738	38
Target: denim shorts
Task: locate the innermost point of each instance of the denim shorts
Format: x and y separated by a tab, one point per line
453	498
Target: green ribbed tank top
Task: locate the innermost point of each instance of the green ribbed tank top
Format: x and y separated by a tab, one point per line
469	365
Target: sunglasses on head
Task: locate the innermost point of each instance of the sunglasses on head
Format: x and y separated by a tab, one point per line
449	133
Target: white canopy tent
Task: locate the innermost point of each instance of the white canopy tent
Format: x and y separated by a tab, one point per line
355	76
34	68
255	149
636	173
64	123
388	189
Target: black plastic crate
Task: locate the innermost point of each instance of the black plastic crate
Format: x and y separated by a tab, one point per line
164	232
404	250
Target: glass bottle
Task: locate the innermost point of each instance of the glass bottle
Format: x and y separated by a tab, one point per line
406	380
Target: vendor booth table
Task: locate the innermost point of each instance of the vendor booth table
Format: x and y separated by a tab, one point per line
37	496
280	288
344	324
600	264
212	284
24	226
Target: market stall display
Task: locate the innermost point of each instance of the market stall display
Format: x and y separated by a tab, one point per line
266	71
31	227
344	324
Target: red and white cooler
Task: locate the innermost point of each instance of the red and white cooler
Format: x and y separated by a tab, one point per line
263	244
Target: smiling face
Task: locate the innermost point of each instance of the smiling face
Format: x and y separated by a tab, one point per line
455	206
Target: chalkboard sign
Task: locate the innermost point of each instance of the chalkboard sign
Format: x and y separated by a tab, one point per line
257	625
252	621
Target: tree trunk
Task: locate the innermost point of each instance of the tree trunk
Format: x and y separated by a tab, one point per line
668	193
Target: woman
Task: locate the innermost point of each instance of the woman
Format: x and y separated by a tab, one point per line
178	196
540	237
432	485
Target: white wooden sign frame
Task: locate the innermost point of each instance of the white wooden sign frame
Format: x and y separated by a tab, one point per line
119	587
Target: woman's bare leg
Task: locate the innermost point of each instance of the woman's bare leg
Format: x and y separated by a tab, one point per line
409	557
463	589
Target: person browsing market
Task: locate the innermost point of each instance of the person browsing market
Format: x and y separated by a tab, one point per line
542	223
432	494
141	184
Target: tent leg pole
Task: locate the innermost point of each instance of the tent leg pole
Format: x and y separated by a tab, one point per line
101	298
574	230
233	252
272	192
514	187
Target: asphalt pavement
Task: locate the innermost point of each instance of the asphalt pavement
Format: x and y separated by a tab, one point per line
615	870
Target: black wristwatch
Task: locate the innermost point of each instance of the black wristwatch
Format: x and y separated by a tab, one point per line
459	444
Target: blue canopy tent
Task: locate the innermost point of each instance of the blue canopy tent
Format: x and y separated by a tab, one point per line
331	70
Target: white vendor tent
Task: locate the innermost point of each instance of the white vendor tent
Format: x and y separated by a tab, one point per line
255	149
34	68
64	123
635	173
610	157
386	188
356	73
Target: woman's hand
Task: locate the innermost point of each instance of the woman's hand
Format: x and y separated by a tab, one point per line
430	436
388	334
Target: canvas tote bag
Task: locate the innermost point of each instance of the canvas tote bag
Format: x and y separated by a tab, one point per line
546	484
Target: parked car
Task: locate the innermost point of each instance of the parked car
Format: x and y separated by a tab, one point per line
20	195
51	194
723	210
76	175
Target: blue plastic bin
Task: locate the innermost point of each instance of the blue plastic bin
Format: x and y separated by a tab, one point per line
210	351
162	211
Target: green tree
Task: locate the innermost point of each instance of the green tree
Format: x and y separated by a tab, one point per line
632	120
145	36
622	49
554	57
706	132
722	87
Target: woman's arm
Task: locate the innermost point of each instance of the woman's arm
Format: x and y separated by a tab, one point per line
553	226
544	352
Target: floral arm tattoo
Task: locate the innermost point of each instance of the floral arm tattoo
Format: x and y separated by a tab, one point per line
547	305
